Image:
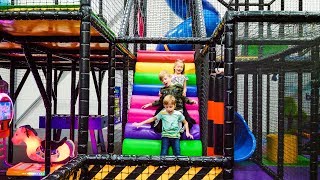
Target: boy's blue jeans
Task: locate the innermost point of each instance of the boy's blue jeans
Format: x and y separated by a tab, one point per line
167	142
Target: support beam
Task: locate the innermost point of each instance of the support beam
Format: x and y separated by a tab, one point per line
48	115
84	77
22	82
281	88
44	70
126	17
96	85
36	15
36	75
229	73
73	99
314	122
12	95
125	93
111	98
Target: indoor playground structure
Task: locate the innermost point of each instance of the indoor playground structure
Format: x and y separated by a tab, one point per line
252	67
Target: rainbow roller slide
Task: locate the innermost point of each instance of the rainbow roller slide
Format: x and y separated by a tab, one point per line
143	140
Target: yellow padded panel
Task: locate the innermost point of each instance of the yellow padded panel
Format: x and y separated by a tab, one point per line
290	148
147	67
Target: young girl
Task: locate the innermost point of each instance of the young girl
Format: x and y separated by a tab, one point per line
178	77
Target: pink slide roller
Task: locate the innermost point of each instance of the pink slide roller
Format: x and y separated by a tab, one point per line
137	101
138	115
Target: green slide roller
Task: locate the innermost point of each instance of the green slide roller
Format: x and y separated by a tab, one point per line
153	78
152	147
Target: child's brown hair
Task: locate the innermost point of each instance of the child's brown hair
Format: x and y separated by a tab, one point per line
163	74
177	62
169	99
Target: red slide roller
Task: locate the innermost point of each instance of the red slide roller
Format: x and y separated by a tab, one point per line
165	56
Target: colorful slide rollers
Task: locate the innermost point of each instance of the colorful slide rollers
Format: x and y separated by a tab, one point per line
144	140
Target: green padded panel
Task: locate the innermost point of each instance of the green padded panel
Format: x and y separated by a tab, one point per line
152	147
153	78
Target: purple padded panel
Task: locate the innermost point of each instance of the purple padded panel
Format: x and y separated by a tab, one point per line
146	132
139	115
61	121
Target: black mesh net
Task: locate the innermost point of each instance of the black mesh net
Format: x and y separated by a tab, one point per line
274	90
277	67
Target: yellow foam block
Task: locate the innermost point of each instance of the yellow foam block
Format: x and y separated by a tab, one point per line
290	148
147	67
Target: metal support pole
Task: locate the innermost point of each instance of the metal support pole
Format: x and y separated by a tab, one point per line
135	24
46	101
245	96
100	8
48	115
268	104
199	19
111	98
282	5
125	91
300	111
84	77
143	5
258	154
254	103
73	99
236	5
126	18
229	70
236	92
259	119
100	80
246	29
280	122
84	81
314	123
13	97
55	88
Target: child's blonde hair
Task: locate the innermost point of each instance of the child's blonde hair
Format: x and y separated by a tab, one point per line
169	99
177	62
163	74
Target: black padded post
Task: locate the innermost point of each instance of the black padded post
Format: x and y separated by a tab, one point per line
48	115
84	77
73	99
111	98
13	97
280	159
229	72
